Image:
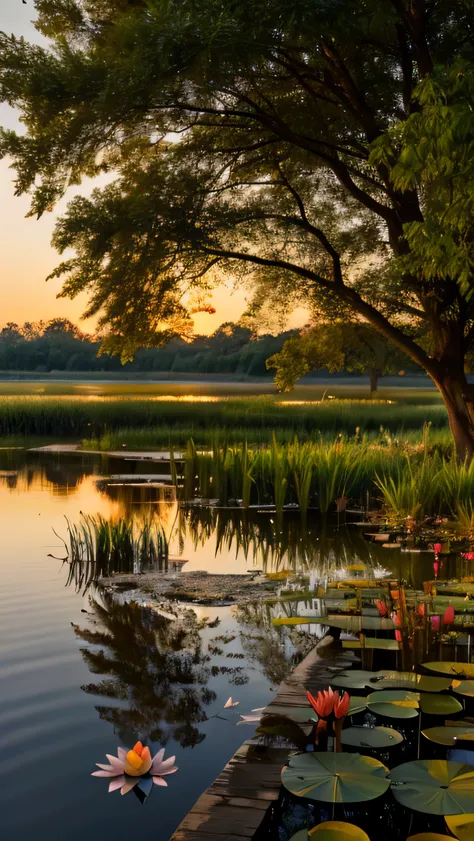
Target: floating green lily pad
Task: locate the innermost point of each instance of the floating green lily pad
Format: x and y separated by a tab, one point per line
346	623
428	836
399	697
462	826
357	705
434	786
439	704
410	680
463	687
371	737
356	679
372	642
446	735
462	671
335	777
393	711
337	831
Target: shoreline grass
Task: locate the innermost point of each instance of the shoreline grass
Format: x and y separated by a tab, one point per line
93	416
413	481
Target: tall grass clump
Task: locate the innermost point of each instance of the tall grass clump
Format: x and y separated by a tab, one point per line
412	488
458	484
97	547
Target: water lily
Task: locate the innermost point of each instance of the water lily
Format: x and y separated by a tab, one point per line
381	607
341	705
323	704
328	702
129	767
448	617
230	703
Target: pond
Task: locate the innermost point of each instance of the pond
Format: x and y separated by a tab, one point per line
82	675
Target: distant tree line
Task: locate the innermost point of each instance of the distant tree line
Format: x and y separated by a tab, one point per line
59	345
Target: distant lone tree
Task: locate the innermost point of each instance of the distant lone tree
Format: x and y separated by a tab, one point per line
322	150
350	346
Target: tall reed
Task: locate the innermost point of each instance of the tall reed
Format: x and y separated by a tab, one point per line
97	547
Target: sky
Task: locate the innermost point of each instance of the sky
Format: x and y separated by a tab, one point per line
27	255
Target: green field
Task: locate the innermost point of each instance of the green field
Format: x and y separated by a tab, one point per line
139	415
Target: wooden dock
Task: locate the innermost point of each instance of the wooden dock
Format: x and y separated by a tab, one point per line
235	806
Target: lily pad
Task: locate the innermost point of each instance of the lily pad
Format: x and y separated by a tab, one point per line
460	670
410	680
332	831
434	786
346	623
336	777
393	711
439	704
399	697
338	831
356	705
428	836
372	642
462	826
371	737
446	735
356	679
463	687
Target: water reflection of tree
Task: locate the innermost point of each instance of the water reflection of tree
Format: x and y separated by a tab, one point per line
275	542
152	662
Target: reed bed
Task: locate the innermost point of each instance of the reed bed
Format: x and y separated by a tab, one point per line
412	481
97	547
147	419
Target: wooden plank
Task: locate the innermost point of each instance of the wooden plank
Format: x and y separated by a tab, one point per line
236	804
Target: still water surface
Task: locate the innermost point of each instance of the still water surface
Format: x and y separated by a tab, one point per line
76	684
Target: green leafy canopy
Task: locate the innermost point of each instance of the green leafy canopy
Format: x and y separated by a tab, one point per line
320	150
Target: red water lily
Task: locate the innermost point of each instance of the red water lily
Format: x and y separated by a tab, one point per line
328	702
396	619
341	705
381	607
448	617
323	703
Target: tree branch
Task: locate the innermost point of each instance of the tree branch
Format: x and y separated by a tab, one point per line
345	294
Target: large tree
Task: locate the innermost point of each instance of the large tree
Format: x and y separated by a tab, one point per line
351	346
320	148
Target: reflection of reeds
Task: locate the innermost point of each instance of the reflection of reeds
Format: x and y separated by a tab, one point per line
97	547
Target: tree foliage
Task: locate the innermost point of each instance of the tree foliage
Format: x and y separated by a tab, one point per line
351	346
59	345
318	149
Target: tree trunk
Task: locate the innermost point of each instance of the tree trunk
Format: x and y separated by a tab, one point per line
458	399
374	374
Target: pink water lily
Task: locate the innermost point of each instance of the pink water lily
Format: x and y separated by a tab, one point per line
128	767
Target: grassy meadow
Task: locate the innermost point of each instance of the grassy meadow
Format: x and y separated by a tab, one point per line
148	415
309	448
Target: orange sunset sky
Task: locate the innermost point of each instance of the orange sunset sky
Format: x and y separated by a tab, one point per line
27	256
